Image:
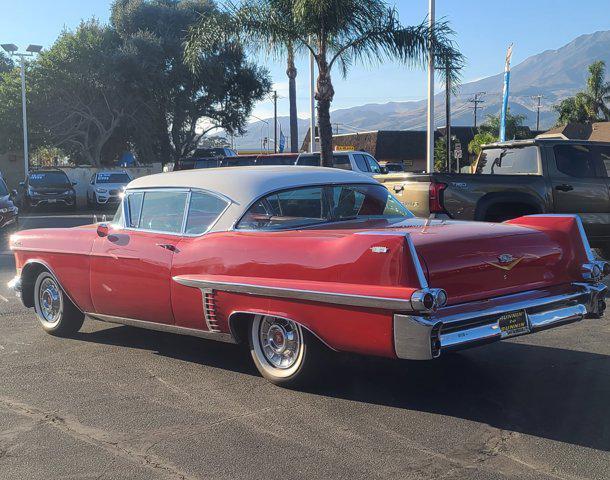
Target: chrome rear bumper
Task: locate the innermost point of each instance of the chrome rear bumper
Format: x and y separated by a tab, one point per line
475	323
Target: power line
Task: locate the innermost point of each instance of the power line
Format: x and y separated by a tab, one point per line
538	97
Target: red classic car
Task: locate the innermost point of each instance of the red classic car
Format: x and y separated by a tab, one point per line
295	260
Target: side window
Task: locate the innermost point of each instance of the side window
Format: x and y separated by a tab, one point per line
508	161
287	209
204	209
604	153
342	162
373	165
134	208
163	211
361	163
575	160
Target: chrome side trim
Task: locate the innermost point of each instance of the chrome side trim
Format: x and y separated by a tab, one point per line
209	310
162	327
296	294
423	283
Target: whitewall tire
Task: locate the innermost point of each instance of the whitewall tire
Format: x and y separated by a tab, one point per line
55	311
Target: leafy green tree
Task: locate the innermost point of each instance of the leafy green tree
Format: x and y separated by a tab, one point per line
514	126
590	105
187	104
337	33
573	110
480	139
6	63
82	95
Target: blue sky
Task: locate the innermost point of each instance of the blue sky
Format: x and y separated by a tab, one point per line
483	31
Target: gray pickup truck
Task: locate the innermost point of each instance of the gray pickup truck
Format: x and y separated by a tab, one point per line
517	178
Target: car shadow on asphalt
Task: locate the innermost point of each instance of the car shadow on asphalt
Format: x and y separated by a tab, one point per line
554	393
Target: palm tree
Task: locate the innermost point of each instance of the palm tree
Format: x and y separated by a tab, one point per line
598	91
291	72
336	32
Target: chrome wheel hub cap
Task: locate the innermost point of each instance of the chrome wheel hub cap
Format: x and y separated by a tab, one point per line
280	341
50	300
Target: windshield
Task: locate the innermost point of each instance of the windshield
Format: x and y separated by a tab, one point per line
210	152
113	178
301	207
49	179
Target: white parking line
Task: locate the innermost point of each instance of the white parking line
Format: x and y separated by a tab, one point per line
4	299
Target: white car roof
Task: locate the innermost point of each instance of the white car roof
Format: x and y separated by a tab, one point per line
243	185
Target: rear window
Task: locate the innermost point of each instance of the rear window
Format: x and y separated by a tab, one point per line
509	161
313	160
575	160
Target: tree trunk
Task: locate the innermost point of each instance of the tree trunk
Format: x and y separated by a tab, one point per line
291	72
324	97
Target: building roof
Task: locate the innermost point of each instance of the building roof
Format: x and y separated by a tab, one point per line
597	132
242	185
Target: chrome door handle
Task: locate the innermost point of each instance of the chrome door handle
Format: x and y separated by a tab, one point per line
168	246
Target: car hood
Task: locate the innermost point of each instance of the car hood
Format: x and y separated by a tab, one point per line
111	186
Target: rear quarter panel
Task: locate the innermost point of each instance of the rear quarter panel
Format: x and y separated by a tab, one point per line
335	259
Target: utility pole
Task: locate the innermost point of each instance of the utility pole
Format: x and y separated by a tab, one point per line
475	101
448	114
275	121
430	127
539	98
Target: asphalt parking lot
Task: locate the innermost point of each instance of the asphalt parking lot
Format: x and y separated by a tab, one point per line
116	402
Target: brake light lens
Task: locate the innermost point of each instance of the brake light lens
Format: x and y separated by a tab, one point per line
435	200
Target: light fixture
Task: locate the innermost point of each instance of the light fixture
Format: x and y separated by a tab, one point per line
10	47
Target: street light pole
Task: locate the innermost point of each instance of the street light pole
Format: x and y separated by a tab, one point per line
430	132
24	113
12	49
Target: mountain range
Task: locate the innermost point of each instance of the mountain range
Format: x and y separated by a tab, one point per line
554	74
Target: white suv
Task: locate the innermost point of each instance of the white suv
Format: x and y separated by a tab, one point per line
357	161
105	187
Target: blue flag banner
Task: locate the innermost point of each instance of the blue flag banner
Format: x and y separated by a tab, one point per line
509	53
282	144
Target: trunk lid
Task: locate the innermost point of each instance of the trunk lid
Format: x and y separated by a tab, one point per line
473	260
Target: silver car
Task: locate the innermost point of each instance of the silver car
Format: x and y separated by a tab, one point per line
105	187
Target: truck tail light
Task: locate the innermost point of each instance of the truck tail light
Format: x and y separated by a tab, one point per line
435	197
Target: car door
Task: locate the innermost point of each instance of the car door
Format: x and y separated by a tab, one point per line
131	266
578	186
197	253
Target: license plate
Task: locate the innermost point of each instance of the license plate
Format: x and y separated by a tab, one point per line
513	323
52	200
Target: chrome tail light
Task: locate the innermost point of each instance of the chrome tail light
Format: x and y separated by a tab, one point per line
428	299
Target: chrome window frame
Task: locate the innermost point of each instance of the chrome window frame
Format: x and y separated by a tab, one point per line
323	185
189	191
